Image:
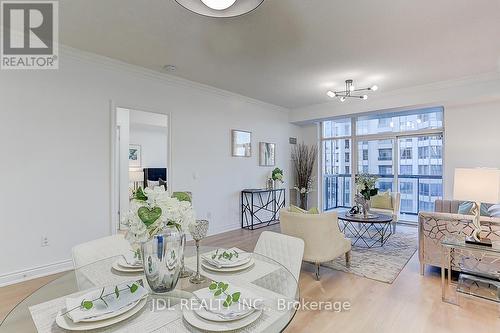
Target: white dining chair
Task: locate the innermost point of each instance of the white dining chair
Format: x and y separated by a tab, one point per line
286	250
98	249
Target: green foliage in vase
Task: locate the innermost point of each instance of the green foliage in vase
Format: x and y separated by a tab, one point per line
277	175
365	184
140	195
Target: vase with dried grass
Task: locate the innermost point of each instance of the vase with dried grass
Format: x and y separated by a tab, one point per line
304	160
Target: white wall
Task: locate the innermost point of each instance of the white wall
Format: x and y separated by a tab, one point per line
472	139
153	141
56	157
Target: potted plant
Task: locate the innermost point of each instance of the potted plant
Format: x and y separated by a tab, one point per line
304	160
276	176
365	186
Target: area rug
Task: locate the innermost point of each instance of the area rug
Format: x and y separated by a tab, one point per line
381	263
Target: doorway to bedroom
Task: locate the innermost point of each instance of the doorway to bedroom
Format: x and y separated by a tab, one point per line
141	156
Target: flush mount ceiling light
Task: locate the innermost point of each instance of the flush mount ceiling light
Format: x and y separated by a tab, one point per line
220	8
349	90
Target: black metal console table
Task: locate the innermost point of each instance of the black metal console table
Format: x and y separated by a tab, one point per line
260	207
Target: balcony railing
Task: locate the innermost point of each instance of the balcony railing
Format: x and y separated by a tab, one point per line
337	191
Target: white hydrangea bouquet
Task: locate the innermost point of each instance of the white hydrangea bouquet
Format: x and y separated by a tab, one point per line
152	210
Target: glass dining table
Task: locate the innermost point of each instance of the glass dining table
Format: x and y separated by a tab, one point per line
267	279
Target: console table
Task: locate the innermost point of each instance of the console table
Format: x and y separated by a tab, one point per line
479	275
260	207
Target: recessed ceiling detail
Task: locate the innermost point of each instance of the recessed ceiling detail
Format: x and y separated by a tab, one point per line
220	8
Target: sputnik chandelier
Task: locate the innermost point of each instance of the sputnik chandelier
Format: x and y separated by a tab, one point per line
349	90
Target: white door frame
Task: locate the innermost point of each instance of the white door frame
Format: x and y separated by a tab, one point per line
114	165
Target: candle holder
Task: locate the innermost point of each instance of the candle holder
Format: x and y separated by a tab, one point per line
198	231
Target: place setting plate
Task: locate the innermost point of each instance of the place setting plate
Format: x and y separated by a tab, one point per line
121	265
237	316
227	260
102	315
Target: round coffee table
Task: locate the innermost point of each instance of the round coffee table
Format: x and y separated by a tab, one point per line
366	232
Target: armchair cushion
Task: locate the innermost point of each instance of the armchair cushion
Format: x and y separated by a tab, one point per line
381	201
295	209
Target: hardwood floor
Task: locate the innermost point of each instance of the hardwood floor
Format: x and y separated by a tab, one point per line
411	304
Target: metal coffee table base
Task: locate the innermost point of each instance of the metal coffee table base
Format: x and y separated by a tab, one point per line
366	234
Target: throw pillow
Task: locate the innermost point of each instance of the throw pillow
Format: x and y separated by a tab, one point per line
465	209
494	210
381	201
295	209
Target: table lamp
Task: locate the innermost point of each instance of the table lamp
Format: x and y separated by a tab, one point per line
477	185
136	176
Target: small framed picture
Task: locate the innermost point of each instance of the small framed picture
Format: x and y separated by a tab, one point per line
241	143
134	156
267	154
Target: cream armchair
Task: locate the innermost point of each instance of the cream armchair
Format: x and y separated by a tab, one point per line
321	235
394	212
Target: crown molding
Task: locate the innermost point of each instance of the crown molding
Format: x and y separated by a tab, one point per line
167	79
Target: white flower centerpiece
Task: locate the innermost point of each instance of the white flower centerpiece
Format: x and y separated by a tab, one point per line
153	211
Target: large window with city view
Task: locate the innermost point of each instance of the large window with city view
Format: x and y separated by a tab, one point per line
403	149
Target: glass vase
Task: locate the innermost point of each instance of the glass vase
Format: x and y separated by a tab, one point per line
184	272
162	260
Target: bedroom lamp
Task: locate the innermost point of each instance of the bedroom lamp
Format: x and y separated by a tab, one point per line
136	176
477	185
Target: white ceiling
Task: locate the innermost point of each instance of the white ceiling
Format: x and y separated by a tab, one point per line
290	52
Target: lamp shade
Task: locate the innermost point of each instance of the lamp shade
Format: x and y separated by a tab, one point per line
479	185
136	175
220	8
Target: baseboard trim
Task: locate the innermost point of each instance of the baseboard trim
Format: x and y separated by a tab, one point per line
36	272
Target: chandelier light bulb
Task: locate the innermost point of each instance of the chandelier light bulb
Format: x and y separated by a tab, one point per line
351	87
218	4
331	94
374	88
342	99
364	97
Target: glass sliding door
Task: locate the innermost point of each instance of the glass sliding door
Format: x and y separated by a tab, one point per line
420	172
375	157
337	164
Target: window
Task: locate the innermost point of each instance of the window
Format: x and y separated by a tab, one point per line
385	169
406	187
337	128
436	170
436	151
385	154
406	154
423	152
417	137
398	122
405	170
423	169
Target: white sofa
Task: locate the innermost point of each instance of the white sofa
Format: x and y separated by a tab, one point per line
321	235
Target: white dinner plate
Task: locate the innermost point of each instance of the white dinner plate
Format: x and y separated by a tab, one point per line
230	264
208	266
205	314
245	258
66	323
214	326
119	268
123	263
112	314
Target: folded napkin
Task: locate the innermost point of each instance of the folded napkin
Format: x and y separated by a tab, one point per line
132	260
77	313
227	257
248	302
